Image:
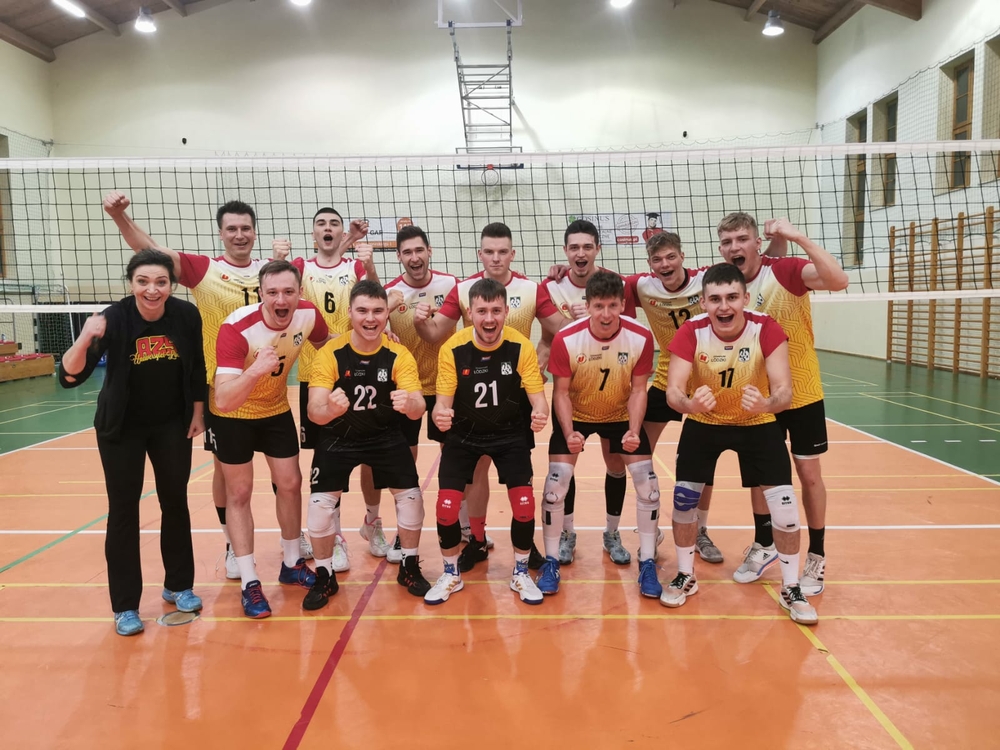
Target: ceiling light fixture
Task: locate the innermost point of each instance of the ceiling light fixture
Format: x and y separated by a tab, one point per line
620	3
71	8
301	3
774	26
145	22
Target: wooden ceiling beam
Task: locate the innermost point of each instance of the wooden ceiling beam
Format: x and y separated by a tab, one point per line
911	9
177	5
837	20
28	44
96	18
752	10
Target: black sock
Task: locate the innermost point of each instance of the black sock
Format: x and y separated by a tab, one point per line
221	512
571	496
762	529
614	494
816	538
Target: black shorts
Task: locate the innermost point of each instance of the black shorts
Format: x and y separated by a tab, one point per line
308	430
760	448
529	436
234	441
613	432
390	459
411	427
806	428
657	408
512	457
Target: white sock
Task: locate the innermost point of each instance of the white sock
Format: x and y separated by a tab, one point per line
327	563
685	560
702	519
647	545
789	568
290	551
248	569
521	557
229	542
410	552
611	522
568	521
371	514
463	517
452	560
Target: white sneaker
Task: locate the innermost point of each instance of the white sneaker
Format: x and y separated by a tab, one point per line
305	548
756	560
520	581
373	534
449	583
489	542
683	586
232	569
395	553
341	558
811	581
798	607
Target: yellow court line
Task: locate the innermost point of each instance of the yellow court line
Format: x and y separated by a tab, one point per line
858	691
51	411
946	401
673	477
934	413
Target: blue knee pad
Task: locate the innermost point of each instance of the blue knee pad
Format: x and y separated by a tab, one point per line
686	497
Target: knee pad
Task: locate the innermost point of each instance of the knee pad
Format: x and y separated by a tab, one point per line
449	503
556	486
647	486
621	474
321	517
784	507
522	503
686	497
410	509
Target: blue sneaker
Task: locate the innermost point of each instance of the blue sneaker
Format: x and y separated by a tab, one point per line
548	576
649	583
254	602
128	623
186	600
300	575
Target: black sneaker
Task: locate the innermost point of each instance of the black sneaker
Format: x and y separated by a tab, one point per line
410	576
535	558
475	551
321	591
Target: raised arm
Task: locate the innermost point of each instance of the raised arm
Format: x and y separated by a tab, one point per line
115	205
824	272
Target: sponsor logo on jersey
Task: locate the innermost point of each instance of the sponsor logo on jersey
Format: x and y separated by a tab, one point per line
383	375
297	339
347	373
481	370
653	303
401	308
729	347
719	358
605	348
703	357
438	300
359	373
515	302
318	279
581	358
466	371
623	358
506	369
225	278
564	307
595	357
745	354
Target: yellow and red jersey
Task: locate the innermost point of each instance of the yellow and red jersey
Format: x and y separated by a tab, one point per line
524	300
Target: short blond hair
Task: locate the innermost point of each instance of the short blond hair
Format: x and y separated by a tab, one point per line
663	240
736	221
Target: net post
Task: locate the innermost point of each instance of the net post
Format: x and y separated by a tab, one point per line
932	286
892	287
984	348
910	264
959	261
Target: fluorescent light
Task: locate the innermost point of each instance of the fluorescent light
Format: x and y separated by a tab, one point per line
620	3
301	3
773	26
145	22
71	8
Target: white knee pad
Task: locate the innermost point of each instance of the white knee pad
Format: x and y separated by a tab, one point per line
556	486
410	509
321	518
619	474
686	497
784	507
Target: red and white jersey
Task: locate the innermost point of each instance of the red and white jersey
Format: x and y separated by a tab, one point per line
329	289
219	288
524	300
727	366
434	293
666	311
245	333
601	370
564	293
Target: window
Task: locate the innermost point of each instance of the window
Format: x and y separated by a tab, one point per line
860	188
889	164
961	124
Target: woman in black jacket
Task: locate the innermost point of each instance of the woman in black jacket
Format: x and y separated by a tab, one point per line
152	403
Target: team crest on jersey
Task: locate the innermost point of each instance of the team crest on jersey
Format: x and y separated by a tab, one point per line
693	299
514	302
623	358
744	355
297	339
760	299
383	375
506	369
344	280
581	358
438	300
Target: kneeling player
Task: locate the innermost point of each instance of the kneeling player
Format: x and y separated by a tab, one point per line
360	383
735	365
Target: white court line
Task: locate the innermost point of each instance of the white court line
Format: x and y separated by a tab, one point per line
34	446
50	411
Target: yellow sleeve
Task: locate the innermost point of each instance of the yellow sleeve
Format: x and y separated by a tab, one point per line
527	366
404	372
447	379
324	368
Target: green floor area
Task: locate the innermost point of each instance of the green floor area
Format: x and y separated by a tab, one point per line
955	418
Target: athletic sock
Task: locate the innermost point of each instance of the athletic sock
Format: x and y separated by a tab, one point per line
685	559
762	529
327	563
477	527
290	551
409	552
816	539
452	560
521	557
789	569
248	569
702	519
371	514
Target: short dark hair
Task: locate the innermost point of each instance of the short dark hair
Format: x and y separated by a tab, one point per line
723	273
497	229
582	226
488	290
661	240
235	207
408	233
274	267
328	210
368	288
605	285
150	257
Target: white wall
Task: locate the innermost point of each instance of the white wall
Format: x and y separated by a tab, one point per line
376	76
25	103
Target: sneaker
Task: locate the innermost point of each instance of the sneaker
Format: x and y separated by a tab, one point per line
474	552
395	553
706	548
520	581
811	581
254	602
378	545
341	557
410	576
683	586
649	583
489	541
567	547
449	583
128	623
299	574
548	578
756	560
535	558
305	548
322	589
467	532
613	546
799	608
186	600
